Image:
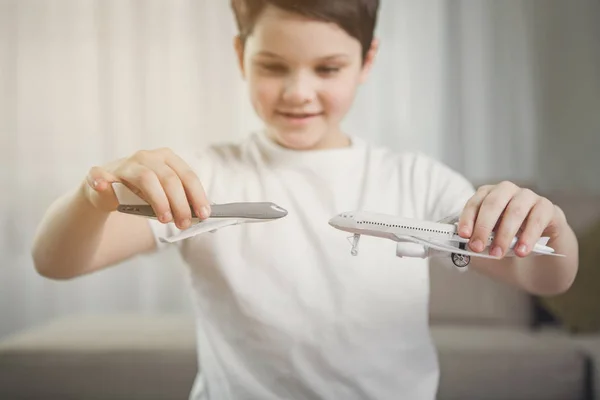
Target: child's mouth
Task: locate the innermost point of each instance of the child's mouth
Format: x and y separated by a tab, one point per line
299	118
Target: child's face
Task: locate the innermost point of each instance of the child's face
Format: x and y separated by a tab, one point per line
302	76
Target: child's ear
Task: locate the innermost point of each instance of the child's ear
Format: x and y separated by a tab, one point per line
369	60
238	45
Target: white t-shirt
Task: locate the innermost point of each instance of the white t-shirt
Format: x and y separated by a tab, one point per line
283	309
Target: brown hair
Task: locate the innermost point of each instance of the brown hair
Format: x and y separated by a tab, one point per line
357	17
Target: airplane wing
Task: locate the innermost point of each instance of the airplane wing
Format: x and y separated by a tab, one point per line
539	248
443	247
199	228
458	239
450	219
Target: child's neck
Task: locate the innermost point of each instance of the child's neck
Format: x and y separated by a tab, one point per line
332	140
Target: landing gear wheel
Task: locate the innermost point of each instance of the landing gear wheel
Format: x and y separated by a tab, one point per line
461	260
355	238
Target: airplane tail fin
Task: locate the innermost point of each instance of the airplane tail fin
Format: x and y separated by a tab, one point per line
541	248
543	241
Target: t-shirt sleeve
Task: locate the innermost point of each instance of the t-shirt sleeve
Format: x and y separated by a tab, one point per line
202	163
444	192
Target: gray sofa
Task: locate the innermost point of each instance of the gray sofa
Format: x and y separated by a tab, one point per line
489	346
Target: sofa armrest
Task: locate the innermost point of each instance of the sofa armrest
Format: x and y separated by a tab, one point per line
101	357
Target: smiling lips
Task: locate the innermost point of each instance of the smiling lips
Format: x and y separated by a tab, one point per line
299	117
298	114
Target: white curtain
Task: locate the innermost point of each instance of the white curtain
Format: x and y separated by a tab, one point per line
478	84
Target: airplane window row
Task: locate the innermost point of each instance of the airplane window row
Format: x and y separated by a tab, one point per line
402	226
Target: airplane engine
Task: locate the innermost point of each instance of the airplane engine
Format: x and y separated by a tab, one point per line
404	249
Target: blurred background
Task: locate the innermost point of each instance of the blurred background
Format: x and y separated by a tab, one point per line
496	89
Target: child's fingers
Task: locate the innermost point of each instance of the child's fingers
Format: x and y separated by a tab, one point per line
515	214
195	192
470	211
489	213
540	216
100	179
160	178
174	191
100	192
146	182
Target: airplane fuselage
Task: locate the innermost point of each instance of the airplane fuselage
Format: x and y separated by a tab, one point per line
242	212
390	227
404	230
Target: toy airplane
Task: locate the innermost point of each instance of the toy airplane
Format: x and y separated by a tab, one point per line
417	238
222	215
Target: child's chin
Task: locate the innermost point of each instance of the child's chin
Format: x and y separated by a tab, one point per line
299	140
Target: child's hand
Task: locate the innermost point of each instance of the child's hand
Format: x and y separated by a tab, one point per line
160	177
508	211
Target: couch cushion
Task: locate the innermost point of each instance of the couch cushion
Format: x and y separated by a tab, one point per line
502	363
591	345
137	357
474	299
582	210
579	308
101	357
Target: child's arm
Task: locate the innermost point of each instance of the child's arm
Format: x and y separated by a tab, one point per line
81	232
76	238
511	211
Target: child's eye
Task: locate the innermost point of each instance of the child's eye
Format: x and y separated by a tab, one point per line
274	68
328	70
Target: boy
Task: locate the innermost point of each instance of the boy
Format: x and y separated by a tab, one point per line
283	310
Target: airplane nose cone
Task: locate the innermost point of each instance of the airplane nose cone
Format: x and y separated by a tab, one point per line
343	221
280	212
335	222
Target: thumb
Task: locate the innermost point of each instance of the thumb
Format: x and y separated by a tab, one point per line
100	180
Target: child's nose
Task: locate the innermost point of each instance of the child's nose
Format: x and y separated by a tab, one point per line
298	89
